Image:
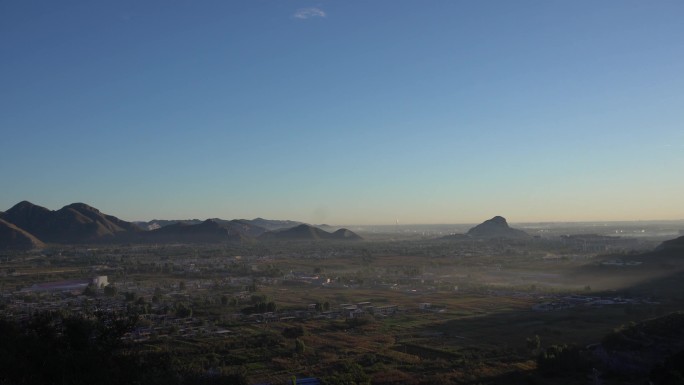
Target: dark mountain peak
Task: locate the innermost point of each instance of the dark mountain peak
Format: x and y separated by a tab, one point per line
211	224
299	232
346	234
25	207
27	216
302	229
496	227
499	220
82	207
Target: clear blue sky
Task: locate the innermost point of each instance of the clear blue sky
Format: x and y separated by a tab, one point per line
346	111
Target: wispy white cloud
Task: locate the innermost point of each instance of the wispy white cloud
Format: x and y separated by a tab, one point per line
307	13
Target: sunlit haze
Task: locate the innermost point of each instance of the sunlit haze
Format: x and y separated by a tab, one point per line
345	112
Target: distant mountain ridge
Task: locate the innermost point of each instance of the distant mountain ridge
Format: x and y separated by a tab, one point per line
265	224
272	224
74	223
308	232
157	223
26	226
209	231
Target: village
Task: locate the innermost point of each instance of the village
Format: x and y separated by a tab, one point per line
271	310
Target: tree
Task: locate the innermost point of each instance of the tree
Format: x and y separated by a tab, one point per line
57	349
562	360
359	321
90	290
347	373
110	291
669	372
257	298
260	307
293	332
300	347
236	377
183	310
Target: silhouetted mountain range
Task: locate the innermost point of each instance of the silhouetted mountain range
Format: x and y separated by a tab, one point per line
75	223
157	223
27	226
210	230
270	224
308	232
258	223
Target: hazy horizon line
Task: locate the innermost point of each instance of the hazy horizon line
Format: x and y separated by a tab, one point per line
423	223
